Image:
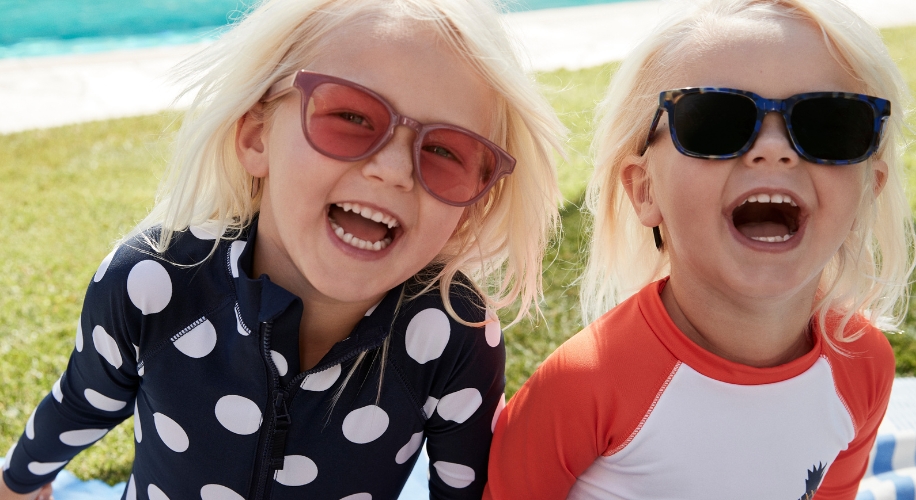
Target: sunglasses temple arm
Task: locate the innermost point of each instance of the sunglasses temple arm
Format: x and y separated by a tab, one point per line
280	88
655	120
657	234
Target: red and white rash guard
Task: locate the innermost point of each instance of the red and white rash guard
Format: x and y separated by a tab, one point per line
630	408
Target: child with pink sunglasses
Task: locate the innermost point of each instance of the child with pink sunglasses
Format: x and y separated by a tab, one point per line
751	237
357	187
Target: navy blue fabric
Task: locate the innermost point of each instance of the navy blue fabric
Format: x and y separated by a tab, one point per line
206	360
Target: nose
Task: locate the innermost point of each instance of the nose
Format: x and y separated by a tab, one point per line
393	164
772	147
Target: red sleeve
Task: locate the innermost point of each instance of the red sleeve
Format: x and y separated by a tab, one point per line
864	379
568	413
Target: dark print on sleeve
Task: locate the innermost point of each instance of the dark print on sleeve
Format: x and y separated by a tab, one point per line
206	360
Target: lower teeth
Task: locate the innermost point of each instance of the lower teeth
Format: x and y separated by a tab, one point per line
772	239
358	243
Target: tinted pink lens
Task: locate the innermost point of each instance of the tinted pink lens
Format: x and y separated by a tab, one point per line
344	121
454	165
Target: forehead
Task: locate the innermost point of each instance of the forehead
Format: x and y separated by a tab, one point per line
410	66
775	58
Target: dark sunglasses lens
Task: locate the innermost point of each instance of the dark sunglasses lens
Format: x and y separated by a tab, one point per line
833	128
714	124
455	166
344	121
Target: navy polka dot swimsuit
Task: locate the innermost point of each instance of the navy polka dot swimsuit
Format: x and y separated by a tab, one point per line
206	360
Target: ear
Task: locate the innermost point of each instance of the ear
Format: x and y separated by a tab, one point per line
636	182
879	171
251	141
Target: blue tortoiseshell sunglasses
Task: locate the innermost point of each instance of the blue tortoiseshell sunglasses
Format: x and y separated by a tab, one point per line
830	128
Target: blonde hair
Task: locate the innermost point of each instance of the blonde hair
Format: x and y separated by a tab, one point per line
868	275
501	239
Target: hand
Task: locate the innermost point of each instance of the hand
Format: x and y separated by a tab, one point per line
43	493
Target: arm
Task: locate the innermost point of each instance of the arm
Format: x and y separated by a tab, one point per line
547	436
867	388
94	394
459	428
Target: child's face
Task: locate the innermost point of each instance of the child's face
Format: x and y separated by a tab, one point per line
307	210
710	242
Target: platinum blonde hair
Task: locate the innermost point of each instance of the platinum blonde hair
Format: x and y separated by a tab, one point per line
501	239
869	274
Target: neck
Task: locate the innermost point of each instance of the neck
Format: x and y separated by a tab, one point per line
759	332
325	321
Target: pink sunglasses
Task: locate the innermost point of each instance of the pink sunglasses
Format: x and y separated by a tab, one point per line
346	121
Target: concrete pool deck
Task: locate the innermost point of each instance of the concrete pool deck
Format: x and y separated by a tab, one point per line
50	91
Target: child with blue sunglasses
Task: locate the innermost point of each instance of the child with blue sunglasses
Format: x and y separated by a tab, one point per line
751	239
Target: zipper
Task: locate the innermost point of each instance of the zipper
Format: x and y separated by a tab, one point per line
273	450
274	442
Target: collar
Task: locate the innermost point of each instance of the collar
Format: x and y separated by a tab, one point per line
261	300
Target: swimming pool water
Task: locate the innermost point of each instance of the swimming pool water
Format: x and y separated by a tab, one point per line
47	27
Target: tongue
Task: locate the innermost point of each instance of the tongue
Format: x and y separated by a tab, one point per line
357	225
763	229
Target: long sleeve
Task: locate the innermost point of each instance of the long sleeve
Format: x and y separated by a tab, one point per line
460	424
94	394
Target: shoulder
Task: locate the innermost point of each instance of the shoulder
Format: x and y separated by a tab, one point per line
135	284
863	369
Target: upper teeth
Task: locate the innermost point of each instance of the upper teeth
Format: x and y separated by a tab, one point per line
766	198
370	214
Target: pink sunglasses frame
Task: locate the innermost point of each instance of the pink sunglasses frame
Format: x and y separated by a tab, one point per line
306	82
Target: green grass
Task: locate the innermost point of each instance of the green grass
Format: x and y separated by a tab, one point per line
74	190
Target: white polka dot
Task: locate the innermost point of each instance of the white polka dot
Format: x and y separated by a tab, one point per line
410	448
138	429
141	370
499	409
106	346
100	272
365	424
9	456
459	405
155	493
322	380
297	471
234	252
30	425
454	475
58	394
218	492
492	331
372	309
79	335
43	468
430	406
239	415
198	342
131	489
205	232
358	496
171	433
103	402
427	335
279	362
149	286
82	437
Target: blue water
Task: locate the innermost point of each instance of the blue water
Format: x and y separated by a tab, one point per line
48	27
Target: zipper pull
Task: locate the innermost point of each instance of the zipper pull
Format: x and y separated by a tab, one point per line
281	427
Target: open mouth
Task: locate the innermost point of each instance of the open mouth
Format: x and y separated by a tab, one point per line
768	218
362	227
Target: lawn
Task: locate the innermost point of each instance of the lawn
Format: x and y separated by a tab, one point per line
69	192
